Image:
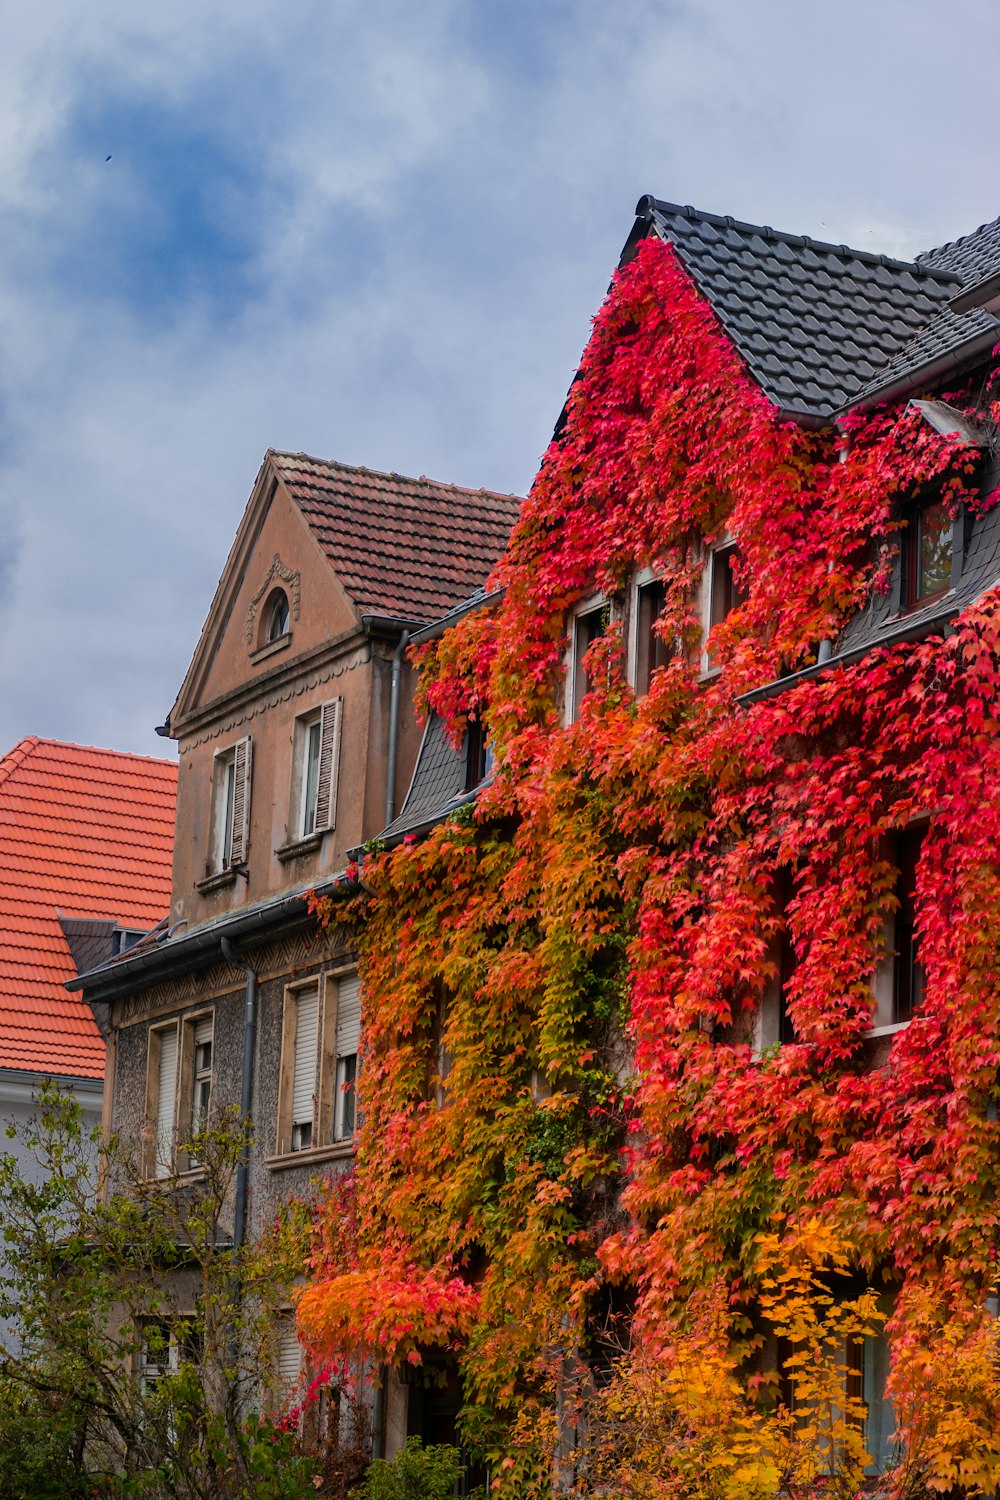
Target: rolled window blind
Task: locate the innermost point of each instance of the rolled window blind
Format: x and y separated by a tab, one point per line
306	1036
166	1097
348	1016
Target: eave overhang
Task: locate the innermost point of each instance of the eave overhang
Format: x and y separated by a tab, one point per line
202	945
913	630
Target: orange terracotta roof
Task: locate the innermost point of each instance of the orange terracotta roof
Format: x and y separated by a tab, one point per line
83	833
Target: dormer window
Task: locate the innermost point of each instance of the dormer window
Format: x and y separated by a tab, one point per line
277	616
927	548
478	754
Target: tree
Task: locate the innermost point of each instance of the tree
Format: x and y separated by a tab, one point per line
142	1340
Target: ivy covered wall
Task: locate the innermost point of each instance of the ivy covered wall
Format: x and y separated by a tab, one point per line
643	1234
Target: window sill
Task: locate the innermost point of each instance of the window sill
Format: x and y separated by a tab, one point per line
271	649
338	1151
220	879
300	847
190	1176
877	1031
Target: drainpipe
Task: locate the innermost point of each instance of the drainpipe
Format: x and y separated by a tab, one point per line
390	775
246	1092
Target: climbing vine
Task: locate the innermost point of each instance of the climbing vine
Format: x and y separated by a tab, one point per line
571	1137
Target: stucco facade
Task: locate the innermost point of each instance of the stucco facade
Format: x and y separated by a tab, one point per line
298	700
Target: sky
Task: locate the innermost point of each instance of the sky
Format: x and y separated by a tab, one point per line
377	232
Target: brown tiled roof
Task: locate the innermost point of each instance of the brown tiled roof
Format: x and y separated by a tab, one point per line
83	834
407	549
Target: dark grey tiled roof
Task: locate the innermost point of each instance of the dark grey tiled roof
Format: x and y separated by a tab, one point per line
975	256
947	337
438	786
814	322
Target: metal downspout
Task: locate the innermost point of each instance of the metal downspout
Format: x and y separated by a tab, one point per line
231	956
390	774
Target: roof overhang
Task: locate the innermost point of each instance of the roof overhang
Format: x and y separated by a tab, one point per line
201	945
963	354
912	631
438	627
985	294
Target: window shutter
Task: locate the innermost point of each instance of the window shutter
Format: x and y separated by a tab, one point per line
202	1030
329	764
289	1354
349	1016
241	802
306	1037
165	1100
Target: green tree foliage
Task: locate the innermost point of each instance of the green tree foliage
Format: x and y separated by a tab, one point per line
416	1473
137	1336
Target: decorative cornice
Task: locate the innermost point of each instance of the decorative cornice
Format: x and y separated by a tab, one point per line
288	576
288	681
278	960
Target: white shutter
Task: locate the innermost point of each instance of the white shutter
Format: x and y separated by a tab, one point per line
202	1030
348	1016
306	1037
289	1355
241	802
329	764
166	1097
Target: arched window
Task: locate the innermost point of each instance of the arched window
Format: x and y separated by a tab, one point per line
277	615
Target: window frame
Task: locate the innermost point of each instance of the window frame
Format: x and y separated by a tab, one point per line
152	1135
328	1134
908	978
912	600
478	753
645	580
277	599
188	1085
309	739
724	549
232	769
584	609
317	805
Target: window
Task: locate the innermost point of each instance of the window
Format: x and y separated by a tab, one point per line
786	968
161	1101
908	974
315	775
348	1041
478	754
277	615
587	627
305	1062
166	1344
651	650
125	937
723	594
926	555
288	1358
196	1074
230	806
775	1025
319	1064
178	1092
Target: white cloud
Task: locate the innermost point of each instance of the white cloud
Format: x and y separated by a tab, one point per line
429	201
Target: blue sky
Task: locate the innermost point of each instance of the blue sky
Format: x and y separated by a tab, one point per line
377	232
